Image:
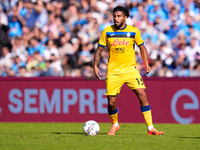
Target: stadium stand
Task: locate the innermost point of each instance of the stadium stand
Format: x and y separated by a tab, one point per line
59	37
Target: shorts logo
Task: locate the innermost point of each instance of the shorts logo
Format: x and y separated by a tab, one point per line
118	42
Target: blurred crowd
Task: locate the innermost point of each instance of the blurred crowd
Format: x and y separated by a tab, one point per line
59	37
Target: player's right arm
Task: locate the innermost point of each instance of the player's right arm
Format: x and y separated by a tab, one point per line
97	57
102	43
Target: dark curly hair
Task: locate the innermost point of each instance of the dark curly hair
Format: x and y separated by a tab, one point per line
123	9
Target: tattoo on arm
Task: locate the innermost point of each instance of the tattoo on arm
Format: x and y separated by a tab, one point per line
97	55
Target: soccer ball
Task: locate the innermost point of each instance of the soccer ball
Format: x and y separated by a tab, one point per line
91	128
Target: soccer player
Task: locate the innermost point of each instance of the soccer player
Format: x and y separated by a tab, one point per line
120	39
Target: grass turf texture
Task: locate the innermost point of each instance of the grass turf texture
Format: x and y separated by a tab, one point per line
61	136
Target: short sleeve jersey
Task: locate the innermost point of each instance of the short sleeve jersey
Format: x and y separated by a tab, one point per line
121	47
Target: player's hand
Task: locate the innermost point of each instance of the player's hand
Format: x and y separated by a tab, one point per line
97	72
147	69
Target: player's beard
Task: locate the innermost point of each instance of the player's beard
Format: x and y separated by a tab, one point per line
119	26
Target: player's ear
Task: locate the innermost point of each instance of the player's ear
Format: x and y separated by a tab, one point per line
125	17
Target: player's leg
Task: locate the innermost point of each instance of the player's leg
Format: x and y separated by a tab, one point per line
113	114
145	107
146	111
135	82
113	87
112	110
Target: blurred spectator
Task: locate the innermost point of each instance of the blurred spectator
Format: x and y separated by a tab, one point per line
85	7
56	65
71	15
5	60
42	14
85	56
36	33
4	40
17	64
106	22
58	12
15	23
3	17
30	16
87	71
67	52
19	49
157	68
23	7
32	61
35	46
102	6
43	38
143	29
51	50
182	62
156	11
168	6
167	55
134	7
48	71
192	49
23	72
51	26
190	22
8	72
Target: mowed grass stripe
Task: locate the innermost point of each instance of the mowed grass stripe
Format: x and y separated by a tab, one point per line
65	136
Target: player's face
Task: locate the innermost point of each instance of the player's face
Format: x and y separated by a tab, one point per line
119	19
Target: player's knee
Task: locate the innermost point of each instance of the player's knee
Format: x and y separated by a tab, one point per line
143	98
142	95
112	103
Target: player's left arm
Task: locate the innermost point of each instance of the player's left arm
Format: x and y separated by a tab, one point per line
144	55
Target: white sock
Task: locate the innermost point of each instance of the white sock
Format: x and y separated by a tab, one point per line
116	124
149	127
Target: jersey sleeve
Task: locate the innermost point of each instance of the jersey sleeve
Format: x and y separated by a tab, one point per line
138	39
103	39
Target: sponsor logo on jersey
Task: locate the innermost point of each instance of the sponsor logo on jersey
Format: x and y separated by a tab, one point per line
118	42
119	50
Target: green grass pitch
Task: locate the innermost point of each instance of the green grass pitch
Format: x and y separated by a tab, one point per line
69	136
